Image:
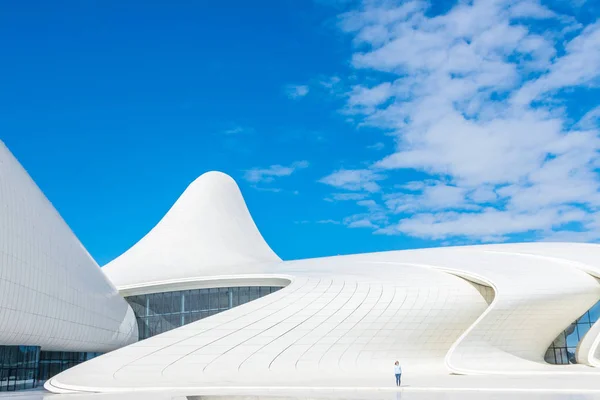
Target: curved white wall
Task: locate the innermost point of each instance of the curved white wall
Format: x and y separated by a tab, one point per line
582	256
52	293
588	350
535	300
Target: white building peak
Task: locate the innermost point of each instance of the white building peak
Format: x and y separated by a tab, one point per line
208	231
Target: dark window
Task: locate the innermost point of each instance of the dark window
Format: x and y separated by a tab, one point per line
244	295
204	303
235	296
253	293
54	362
18	367
193	300
160	312
213	299
24	367
223	298
167	303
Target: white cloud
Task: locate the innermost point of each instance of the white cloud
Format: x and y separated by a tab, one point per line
374	218
370	204
483	195
269	174
475	99
436	196
579	66
364	98
361	223
590	120
354	179
475	152
331	84
268	189
296	91
328	221
346	196
490	222
530	9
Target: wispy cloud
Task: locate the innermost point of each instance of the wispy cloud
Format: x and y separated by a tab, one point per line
376	146
354	179
333	85
475	98
296	91
374	217
346	197
329	221
237	130
590	120
361	223
269	174
365	99
267	189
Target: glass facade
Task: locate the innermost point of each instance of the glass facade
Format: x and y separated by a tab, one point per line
26	367
18	367
160	312
562	350
53	362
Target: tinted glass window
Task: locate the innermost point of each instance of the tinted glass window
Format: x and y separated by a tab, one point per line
160	312
563	349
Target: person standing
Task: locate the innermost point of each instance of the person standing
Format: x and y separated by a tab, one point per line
397	372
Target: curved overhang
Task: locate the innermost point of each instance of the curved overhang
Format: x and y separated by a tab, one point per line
205	282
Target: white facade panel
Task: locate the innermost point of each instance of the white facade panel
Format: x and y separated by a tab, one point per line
52	293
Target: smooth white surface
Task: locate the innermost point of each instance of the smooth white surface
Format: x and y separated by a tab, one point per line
536	299
343	321
208	231
52	293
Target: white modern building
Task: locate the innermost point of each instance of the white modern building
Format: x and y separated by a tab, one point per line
57	308
202	302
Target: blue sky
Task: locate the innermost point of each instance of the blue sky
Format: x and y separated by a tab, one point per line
350	126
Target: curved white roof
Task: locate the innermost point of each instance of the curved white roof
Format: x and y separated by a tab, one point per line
342	321
208	231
